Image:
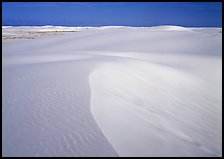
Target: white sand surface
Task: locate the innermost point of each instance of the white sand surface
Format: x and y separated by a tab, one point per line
112	91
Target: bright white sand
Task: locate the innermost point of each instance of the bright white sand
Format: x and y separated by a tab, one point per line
112	91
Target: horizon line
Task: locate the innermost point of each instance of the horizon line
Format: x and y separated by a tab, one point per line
110	25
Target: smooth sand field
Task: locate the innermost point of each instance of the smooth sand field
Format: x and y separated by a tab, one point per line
112	91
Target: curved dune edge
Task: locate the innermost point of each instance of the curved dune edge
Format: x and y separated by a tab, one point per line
151	110
49	91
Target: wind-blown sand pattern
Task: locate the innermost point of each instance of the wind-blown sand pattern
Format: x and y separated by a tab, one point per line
112	91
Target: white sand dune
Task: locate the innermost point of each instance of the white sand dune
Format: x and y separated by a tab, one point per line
170	27
113	91
156	110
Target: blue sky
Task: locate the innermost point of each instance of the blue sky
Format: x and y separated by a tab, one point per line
198	14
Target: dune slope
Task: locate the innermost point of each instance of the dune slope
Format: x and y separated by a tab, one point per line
112	91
